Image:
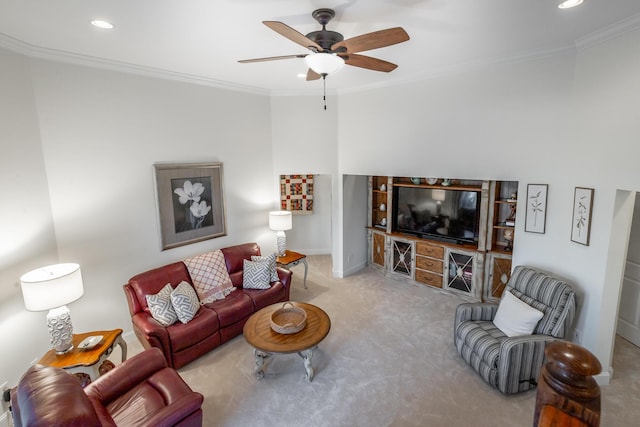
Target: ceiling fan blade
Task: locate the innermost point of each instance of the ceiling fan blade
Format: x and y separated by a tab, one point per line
271	58
373	40
369	63
293	35
312	75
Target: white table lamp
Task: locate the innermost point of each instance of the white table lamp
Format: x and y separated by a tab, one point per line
50	288
280	221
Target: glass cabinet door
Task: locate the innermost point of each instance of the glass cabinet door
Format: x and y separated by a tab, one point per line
460	272
402	261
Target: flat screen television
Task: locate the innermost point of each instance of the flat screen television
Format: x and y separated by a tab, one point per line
443	214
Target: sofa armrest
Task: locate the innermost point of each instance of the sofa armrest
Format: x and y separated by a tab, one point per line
153	333
475	311
127	375
513	375
285	276
175	412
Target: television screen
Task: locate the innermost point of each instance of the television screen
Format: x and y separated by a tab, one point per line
444	214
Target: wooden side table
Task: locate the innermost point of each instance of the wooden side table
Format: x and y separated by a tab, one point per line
87	361
291	259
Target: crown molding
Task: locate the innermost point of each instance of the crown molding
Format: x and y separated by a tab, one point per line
627	25
37	52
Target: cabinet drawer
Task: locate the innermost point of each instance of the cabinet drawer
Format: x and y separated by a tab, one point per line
429	250
428	278
429	264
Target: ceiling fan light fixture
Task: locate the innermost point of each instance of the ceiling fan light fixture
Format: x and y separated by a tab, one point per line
105	25
324	63
568	4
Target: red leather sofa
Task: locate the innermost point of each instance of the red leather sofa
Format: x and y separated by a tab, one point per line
142	391
215	323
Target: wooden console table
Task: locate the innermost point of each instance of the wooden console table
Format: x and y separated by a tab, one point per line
87	361
291	259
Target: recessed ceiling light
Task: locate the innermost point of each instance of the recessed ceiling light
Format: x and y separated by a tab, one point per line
102	24
568	4
302	75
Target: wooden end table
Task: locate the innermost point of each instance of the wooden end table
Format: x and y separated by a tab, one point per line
266	342
291	259
87	361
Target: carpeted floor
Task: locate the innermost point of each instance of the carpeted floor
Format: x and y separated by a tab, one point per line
388	360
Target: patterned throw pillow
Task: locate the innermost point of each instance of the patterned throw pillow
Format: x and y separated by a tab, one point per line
185	302
161	307
210	276
271	259
255	275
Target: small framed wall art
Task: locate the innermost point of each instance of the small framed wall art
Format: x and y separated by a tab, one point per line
536	213
582	208
190	202
296	194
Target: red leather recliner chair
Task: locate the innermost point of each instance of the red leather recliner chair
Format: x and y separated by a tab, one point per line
142	391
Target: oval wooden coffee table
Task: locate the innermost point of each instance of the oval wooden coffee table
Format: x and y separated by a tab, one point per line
266	342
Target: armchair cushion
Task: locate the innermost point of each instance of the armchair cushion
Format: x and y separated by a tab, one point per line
515	317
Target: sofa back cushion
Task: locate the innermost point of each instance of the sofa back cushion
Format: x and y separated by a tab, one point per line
546	293
234	257
151	282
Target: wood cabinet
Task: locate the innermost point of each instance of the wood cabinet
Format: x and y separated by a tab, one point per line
502	211
478	270
378	252
380	202
429	264
498	273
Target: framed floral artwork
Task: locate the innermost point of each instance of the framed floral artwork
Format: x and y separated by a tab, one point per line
190	202
582	208
536	212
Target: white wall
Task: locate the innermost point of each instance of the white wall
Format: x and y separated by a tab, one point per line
564	121
101	132
305	142
27	238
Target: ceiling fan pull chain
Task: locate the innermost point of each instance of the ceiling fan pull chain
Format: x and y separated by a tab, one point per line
324	94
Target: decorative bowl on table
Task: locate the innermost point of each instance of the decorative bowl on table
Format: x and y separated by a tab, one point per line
288	320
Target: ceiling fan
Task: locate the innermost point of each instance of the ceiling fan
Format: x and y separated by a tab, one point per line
330	51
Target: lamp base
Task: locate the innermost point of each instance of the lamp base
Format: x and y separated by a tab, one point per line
281	243
60	329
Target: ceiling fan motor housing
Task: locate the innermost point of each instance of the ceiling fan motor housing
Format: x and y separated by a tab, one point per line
324	38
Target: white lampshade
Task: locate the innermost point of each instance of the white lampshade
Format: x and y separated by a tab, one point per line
324	63
280	220
52	286
438	195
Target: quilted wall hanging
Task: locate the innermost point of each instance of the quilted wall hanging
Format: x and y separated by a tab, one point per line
296	194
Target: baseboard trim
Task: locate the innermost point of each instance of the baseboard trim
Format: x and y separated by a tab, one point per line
604	377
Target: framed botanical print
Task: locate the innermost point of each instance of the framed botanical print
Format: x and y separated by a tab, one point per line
536	212
190	202
582	208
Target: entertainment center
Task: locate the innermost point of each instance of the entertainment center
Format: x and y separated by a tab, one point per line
451	234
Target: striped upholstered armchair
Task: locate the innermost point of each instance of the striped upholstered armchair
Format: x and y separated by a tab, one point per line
512	364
